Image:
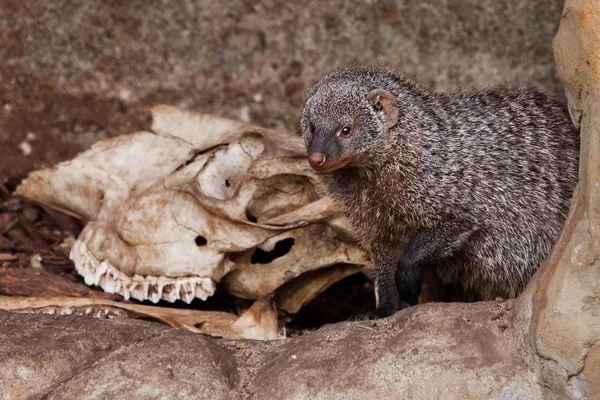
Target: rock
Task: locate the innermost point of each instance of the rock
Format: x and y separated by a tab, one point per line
170	366
433	351
73	74
62	357
565	295
39	352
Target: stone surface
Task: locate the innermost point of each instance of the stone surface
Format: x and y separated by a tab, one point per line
565	295
171	366
434	351
67	357
37	354
75	72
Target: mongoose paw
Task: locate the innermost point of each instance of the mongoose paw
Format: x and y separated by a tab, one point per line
410	299
364	317
385	311
409	293
409	285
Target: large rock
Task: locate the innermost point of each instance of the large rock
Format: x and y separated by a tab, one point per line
75	72
565	296
68	357
434	351
175	365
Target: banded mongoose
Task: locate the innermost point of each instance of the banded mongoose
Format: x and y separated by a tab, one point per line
471	188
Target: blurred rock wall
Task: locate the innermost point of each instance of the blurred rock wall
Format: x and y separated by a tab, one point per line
75	72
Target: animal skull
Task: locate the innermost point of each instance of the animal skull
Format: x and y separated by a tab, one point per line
201	200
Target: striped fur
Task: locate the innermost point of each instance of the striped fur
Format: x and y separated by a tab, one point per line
502	163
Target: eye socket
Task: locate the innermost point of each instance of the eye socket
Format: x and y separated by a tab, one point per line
345	131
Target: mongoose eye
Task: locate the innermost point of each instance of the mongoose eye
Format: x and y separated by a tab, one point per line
345	131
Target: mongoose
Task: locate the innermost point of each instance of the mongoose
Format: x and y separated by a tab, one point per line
471	188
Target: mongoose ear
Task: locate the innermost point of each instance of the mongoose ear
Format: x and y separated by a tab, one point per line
382	100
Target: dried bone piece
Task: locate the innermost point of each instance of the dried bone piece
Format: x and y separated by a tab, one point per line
201	200
293	295
258	323
262	270
103	176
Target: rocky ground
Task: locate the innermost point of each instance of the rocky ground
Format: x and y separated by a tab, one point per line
327	352
68	357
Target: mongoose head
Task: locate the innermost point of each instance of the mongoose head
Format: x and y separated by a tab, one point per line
347	114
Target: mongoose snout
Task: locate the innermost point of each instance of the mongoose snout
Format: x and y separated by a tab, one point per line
468	189
316	160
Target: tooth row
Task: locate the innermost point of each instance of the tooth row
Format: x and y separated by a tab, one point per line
139	287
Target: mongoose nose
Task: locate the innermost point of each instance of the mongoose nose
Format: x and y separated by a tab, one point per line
316	159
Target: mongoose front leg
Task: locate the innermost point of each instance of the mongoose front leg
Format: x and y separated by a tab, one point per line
427	247
386	294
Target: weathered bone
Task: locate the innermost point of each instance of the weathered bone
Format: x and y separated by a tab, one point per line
197	202
259	322
153	288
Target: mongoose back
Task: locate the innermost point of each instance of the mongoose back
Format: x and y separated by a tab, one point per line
470	188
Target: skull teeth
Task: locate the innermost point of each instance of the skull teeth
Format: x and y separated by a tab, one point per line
139	287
